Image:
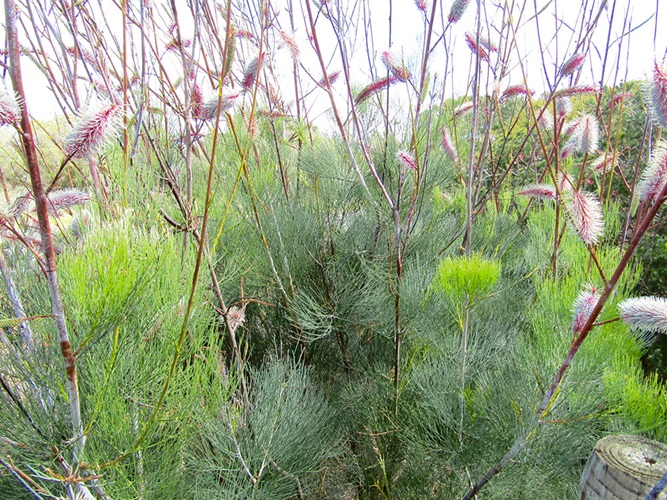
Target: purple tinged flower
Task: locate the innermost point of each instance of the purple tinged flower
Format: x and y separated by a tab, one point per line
563	106
486	42
374	87
196	99
585	137
603	163
515	90
209	109
421	5
655	175
572	64
577	90
448	144
397	68
407	160
463	108
92	131
291	44
583	308
540	191
480	51
66	198
332	79
546	121
645	313
585	213
458	9
10	113
251	72
655	96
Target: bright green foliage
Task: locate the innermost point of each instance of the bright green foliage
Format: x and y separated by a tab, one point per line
470	277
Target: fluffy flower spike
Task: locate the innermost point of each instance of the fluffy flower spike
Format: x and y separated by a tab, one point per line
645	313
583	308
9	108
572	64
407	160
540	191
448	144
209	109
585	214
374	87
92	131
655	175
458	9
655	95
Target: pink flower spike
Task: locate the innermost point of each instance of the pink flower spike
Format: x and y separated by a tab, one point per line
645	313
10	112
577	90
515	90
196	99
583	308
603	163
486	42
291	44
375	87
585	137
397	68
540	191
655	175
470	40
463	108
251	72
655	96
209	109
66	198
407	160
448	144
332	79
585	214
92	131
458	9
572	64
421	5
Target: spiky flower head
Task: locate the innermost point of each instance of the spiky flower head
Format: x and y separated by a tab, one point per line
458	9
540	191
64	199
421	5
603	163
477	49
514	91
486	42
196	99
291	44
395	66
572	64
209	109
655	96
407	160
655	175
645	313
583	308
546	120
585	213
374	87
577	90
10	113
563	106
93	130
463	108
448	144
251	72
333	76
586	135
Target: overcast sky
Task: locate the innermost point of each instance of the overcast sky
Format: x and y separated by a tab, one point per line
629	56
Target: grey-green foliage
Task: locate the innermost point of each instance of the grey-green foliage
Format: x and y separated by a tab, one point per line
287	444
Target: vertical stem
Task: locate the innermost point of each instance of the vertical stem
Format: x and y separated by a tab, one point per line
30	151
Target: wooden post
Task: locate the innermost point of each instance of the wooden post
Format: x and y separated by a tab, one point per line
624	468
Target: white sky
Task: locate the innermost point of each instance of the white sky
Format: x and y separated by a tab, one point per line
629	57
